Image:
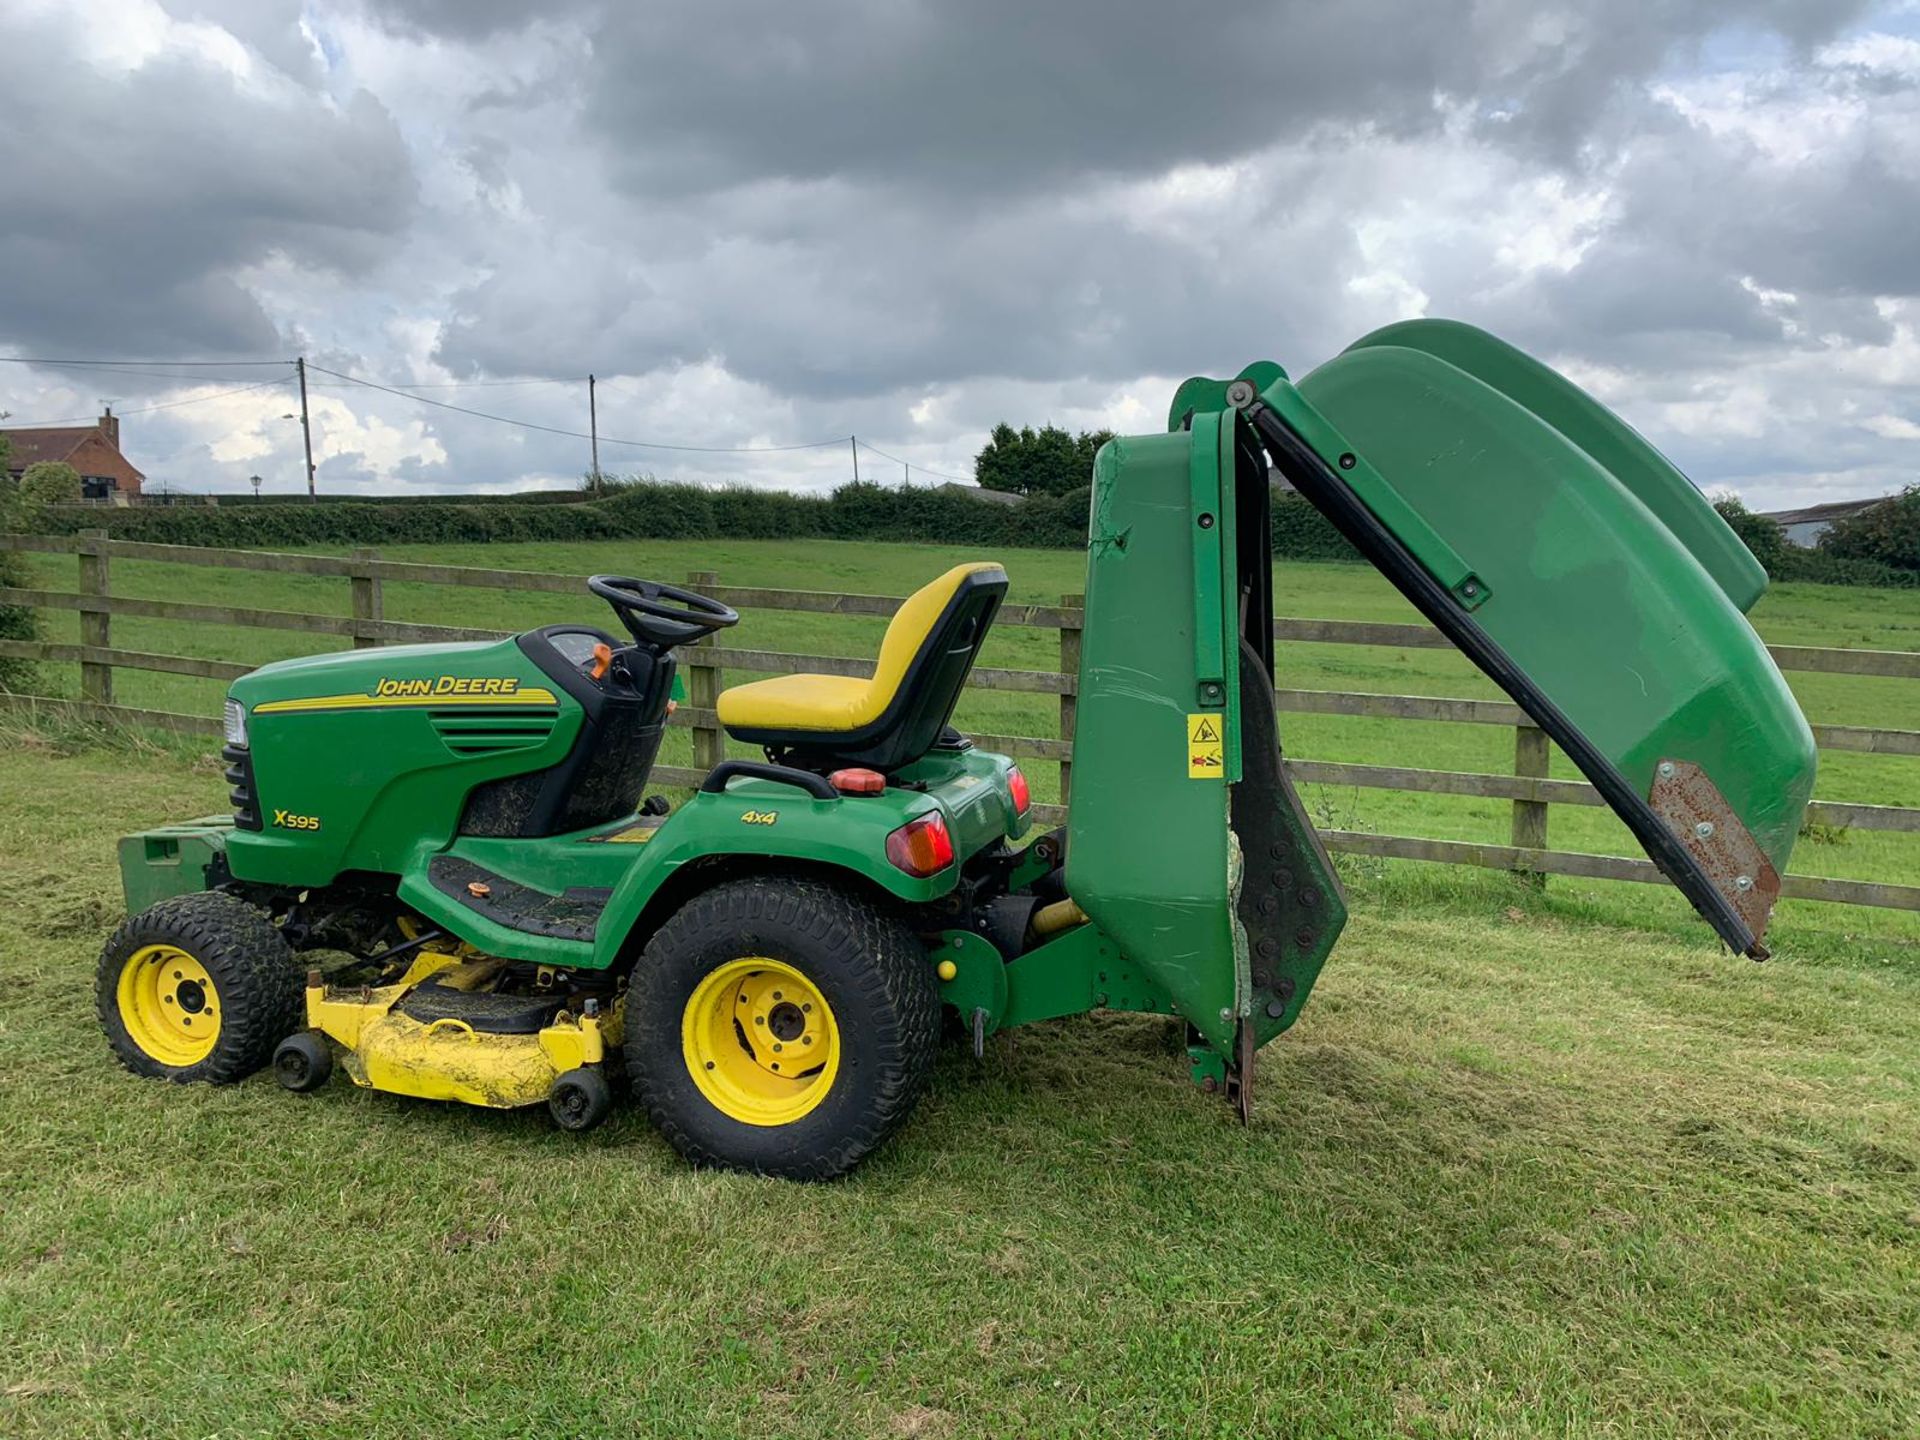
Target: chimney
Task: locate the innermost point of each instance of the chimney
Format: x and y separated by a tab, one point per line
110	426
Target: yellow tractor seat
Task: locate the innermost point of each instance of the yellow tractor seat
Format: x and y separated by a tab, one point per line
894	718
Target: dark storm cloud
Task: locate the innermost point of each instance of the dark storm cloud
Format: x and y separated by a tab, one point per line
1007	95
468	19
792	220
132	197
884	195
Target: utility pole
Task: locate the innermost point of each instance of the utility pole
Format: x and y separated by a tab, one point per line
306	425
593	428
853	443
906	476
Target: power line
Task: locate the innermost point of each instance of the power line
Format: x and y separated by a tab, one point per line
149	409
197	364
582	434
93	368
462	384
955	479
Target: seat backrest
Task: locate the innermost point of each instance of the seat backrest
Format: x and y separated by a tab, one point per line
929	649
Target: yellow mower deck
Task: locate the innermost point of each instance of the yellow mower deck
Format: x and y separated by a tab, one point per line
448	1059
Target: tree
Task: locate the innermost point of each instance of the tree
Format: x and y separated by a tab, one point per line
51	482
1763	536
1888	533
17	622
1047	461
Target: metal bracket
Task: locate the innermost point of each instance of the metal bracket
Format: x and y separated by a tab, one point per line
1240	1073
1692	807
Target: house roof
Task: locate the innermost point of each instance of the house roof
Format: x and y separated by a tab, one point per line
1829	512
30	447
54	442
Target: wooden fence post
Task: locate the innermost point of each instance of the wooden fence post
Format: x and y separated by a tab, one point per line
1070	668
368	603
1532	754
703	689
96	626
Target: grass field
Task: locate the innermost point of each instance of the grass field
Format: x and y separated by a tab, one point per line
1541	1164
1519	1171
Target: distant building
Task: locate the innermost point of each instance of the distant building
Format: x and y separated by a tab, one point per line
93	450
1805	527
980	492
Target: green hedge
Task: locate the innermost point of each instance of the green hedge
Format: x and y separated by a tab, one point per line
1825	569
658	512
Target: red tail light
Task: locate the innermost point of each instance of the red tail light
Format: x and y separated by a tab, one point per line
921	847
1017	787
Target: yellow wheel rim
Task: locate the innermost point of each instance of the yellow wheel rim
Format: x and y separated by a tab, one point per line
760	1041
169	1004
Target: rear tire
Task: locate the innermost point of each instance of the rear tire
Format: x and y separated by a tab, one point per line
781	1026
198	987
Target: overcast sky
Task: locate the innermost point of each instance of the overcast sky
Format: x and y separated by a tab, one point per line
765	223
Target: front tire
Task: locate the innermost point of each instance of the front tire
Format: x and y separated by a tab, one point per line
781	1026
198	987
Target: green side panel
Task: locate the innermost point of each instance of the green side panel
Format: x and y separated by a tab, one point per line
1147	849
1607	612
1613	444
379	787
158	864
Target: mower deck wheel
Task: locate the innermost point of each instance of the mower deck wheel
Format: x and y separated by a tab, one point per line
580	1099
303	1062
197	987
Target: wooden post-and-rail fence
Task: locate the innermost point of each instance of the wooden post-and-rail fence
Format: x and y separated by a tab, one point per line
1530	788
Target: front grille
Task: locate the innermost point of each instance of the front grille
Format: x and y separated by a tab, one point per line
246	804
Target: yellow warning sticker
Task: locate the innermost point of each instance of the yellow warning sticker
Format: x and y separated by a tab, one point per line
1206	752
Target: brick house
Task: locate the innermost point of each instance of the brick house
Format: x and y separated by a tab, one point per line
93	450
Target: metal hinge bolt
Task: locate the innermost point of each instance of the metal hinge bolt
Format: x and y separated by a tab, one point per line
1666	769
1704	829
1743	882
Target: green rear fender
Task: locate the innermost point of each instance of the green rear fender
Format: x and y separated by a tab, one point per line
770	824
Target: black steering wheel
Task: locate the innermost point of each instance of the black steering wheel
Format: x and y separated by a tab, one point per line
641	606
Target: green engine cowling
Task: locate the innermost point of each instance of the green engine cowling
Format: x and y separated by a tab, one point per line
365	761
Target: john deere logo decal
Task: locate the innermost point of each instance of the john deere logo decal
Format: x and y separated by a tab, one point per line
449	685
395	693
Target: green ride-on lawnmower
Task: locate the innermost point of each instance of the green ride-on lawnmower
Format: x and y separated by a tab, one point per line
459	839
